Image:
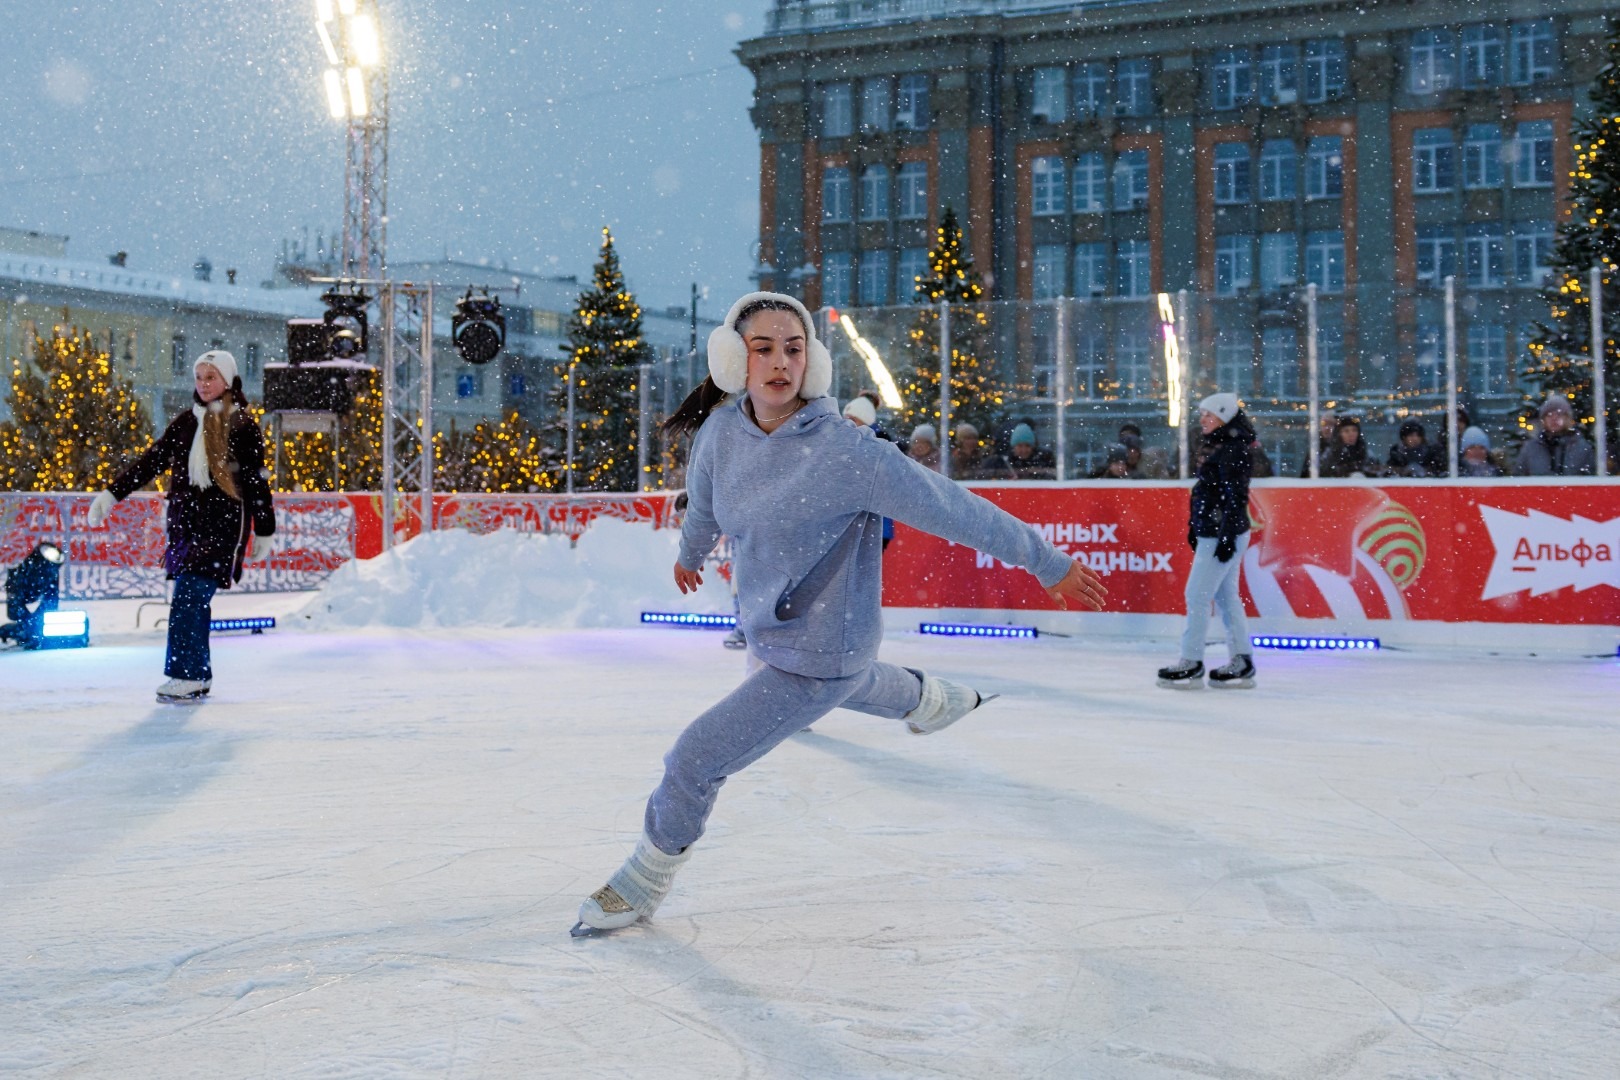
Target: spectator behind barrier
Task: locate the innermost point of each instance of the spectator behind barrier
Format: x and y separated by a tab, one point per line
1476	455
1347	455
1148	463
1558	449
1116	466
968	460
1326	437
1412	454
1025	460
924	446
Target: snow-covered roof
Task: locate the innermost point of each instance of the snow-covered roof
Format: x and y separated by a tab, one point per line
105	278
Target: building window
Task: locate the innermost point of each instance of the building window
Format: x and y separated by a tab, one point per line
837	110
1279	169
1279	361
1231	79
1431	61
1234	263
837	269
912	267
1487	358
1482	51
1330	360
1533	154
1324	167
1090	90
1533	252
251	360
1046	186
1436	255
177	355
1231	173
1279	261
835	194
911	112
1133	362
913	191
1049	95
1234	360
1131	180
875	193
874	278
1534	51
466	384
1485	256
1433	161
1047	279
1324	260
1430	358
1279	75
1133	87
1324	69
1090	184
1090	365
877	104
1482	156
1133	269
517	385
1090	270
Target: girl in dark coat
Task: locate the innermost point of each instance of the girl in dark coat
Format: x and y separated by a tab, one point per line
1218	531
219	499
1347	455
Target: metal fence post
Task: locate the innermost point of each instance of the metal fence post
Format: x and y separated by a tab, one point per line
643	434
1451	374
1599	357
944	389
1314	419
1060	390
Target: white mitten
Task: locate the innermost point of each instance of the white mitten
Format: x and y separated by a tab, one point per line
101	508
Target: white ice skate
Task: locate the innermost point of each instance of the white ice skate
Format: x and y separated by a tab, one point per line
1237	675
943	704
633	893
184	691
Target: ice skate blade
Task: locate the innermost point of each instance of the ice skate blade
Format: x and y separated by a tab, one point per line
1182	684
188	699
1231	684
735	644
581	930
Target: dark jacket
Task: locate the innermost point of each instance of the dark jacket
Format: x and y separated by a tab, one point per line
208	530
1040	465
1566	454
1424	459
1220	497
1339	461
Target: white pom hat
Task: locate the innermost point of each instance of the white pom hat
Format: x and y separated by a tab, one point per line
861	409
222	361
728	353
1224	406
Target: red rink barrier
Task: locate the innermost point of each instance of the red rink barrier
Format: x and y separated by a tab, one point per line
1478	552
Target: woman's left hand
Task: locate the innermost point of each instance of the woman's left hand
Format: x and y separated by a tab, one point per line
1081	584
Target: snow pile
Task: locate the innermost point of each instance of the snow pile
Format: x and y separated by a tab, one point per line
456	578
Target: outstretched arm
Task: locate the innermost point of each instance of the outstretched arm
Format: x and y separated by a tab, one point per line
145	468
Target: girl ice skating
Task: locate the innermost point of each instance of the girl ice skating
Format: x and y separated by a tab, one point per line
802	495
219	499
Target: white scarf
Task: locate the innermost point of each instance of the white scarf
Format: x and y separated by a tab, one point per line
197	460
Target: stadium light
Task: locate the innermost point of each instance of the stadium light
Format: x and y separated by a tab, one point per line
977	630
875	366
357	92
363	36
681	618
478	328
334	95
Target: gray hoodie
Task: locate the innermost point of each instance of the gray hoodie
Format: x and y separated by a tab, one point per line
804	508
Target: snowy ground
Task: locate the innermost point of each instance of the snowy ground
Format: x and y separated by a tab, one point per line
362	856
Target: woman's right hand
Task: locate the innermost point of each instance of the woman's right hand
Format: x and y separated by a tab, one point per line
687	580
100	508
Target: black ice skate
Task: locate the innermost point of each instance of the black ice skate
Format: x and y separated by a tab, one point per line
1183	675
1237	675
183	691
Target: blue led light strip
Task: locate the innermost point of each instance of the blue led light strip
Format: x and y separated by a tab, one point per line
977	630
259	622
682	618
1328	643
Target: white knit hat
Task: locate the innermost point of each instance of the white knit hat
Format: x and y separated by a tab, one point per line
926	433
728	353
861	409
224	361
1224	406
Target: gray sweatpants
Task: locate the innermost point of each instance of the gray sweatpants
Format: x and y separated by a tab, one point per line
767	707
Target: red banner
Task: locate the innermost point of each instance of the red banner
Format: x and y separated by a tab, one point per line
1513	552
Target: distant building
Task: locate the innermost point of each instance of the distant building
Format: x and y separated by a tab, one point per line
1237	149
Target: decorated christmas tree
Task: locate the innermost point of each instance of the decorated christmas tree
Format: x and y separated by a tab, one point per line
604	348
305	463
74	422
975	395
508	456
1560	358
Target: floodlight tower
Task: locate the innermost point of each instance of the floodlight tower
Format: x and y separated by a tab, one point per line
356	82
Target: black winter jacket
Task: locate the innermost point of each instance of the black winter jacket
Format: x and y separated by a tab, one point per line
1424	459
207	529
1220	498
1339	461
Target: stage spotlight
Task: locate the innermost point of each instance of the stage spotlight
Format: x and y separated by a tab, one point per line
478	328
32	589
322	355
64	630
345	317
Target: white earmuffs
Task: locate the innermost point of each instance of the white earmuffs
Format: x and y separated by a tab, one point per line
728	353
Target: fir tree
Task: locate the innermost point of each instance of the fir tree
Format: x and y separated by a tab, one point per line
74	423
1560	358
976	397
505	457
604	348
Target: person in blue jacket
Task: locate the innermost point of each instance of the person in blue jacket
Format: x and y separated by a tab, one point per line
802	494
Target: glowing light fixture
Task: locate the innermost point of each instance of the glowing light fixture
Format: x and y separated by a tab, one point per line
1172	358
64	630
334	94
327	44
977	630
357	92
346	6
258	624
887	390
1337	644
363	36
682	618
323	11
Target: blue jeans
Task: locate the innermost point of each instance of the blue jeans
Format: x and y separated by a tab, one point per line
1214	580
767	707
189	616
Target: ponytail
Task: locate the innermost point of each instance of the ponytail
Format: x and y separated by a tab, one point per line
695	409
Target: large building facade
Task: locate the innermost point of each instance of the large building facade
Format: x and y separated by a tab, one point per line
1239	150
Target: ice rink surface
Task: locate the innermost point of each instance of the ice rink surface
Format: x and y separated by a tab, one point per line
361	858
